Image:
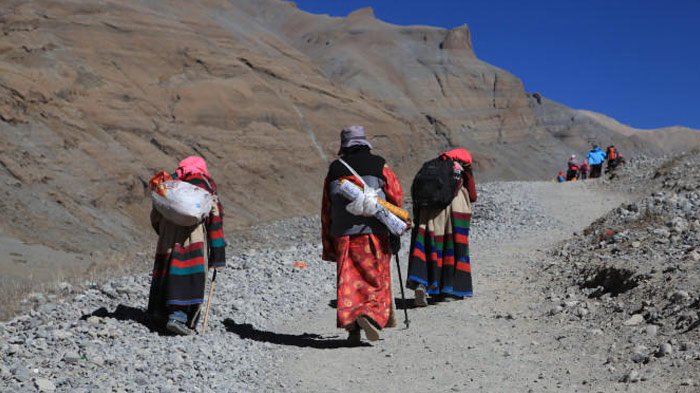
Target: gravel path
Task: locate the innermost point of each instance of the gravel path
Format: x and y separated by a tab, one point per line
495	341
273	326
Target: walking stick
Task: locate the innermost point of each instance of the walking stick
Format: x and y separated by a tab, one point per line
209	299
403	296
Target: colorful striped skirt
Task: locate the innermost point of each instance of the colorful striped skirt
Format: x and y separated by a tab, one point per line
179	270
439	256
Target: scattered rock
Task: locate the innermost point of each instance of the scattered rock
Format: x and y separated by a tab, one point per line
679	296
64	287
651	330
581	312
36	297
98	361
640	357
44	385
555	310
687	382
71	357
665	349
661	233
636	319
693	256
21	374
632	376
62	334
640	354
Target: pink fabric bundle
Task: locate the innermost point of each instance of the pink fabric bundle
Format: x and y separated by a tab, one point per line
193	165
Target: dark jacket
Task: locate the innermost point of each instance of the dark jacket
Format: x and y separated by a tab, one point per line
370	167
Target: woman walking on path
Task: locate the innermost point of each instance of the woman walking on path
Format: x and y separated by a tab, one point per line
359	245
439	262
180	270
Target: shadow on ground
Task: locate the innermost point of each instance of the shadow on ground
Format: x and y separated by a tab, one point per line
128	313
304	340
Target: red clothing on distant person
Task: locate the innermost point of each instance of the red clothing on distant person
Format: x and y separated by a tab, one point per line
459	154
465	159
468	180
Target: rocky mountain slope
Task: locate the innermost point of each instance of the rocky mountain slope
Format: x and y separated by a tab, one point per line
634	274
96	96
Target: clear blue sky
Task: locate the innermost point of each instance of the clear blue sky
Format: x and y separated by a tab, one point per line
635	60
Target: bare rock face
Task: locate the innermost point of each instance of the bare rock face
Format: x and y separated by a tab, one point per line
95	97
363	14
458	39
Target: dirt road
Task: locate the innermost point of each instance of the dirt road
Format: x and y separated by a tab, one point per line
495	341
272	326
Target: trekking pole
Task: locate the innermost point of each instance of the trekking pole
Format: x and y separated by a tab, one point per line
403	296
211	295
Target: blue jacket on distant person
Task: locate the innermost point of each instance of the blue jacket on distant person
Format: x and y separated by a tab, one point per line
596	156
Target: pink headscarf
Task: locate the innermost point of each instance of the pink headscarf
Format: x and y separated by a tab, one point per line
193	165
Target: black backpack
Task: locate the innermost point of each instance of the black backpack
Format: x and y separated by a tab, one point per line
435	184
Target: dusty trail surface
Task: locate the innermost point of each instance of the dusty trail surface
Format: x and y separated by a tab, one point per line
495	341
272	326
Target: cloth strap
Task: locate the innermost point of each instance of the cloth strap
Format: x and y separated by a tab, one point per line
352	171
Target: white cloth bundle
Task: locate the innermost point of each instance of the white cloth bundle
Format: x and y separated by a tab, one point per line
365	202
183	204
361	200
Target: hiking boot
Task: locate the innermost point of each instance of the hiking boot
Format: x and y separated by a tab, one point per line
178	327
354	337
420	297
371	332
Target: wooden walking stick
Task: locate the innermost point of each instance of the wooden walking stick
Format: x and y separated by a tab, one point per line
209	300
403	296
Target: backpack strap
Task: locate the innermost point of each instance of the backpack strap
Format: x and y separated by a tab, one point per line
352	171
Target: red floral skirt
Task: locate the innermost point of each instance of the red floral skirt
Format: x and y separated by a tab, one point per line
364	279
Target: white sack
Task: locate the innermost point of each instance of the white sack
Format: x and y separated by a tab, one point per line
366	202
183	204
